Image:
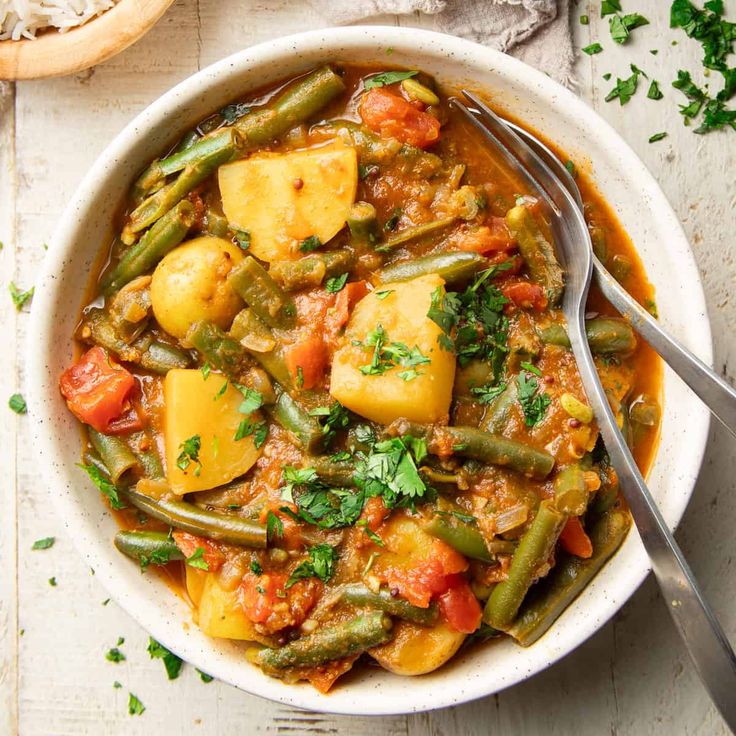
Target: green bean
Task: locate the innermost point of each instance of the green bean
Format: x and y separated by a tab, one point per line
463	537
620	267
645	411
329	643
568	578
299	102
339	473
130	308
165	235
415	233
607	494
257	340
187	141
437	476
223	140
599	242
356	594
160	357
498	413
537	252
116	455
221	351
147	548
192	519
294	418
215	223
311	270
454	267
148	459
262	294
533	552
606	335
571	491
363	223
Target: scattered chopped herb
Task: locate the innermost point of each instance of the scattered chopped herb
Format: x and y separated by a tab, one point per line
44	543
114	655
651	307
534	404
609	6
584	20
221	391
336	284
52	582
654	93
635	70
197	561
135	707
486	394
385	78
20	297
387	355
593	48
657	137
172	663
621	26
242	239
255	567
116	685
190	454
572	169
259	430
384	293
252	400
336	418
106	601
653	52
205	677
309	244
120	641
393	221
206	369
624	89
607	76
363	523
105	486
274	527
18	404
320	563
341	456
531	368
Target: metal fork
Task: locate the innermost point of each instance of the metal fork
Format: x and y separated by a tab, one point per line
704	639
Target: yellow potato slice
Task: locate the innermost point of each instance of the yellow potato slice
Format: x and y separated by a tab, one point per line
193	407
221	613
262	195
195	580
403	316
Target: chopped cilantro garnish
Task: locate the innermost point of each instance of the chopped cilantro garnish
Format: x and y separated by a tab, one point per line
309	244
571	168
393	221
534	404
252	400
44	543
135	707
274	527
609	6
654	93
621	26
320	564
531	368
336	284
114	655
52	582
593	48
657	137
486	394
20	297
336	417
221	391
105	486
206	369
259	430
18	404
387	355
172	663
383	293
196	560
584	20
190	454
255	567
385	78
204	676
624	89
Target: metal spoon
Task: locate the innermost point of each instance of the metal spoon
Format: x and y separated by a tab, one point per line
704	639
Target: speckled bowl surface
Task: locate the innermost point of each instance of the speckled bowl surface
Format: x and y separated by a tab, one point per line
546	107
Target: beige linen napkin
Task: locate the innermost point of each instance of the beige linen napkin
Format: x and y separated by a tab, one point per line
535	31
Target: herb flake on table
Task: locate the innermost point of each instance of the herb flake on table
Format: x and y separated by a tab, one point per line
594	48
624	89
45	543
114	655
18	404
657	137
654	93
19	296
621	26
135	707
172	662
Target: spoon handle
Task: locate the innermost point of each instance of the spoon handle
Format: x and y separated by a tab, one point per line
718	395
706	643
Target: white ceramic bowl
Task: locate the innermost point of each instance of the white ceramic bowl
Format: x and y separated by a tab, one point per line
534	98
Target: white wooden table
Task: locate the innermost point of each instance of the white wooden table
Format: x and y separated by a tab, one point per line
631	678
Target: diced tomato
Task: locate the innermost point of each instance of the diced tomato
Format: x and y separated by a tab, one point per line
512	264
188	544
324	676
130	421
307	362
574	539
525	294
429	578
492	237
374	512
291	536
459	606
97	389
347	298
392	116
267	601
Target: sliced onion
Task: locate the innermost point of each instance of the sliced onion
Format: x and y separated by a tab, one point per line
511	518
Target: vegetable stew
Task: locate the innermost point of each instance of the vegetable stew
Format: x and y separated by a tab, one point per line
327	387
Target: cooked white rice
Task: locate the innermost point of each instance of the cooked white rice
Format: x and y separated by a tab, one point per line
22	18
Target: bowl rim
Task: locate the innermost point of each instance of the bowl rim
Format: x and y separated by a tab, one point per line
329	41
54	53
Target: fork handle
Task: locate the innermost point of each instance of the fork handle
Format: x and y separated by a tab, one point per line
716	393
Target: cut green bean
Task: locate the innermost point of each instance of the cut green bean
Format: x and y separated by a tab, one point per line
256	338
311	270
463	537
130	308
600	244
215	223
537	252
531	555
571	491
147	548
165	235
606	335
356	594
363	223
330	643
454	267
294	418
116	455
415	233
221	351
160	357
190	518
620	267
297	104
568	578
226	140
339	473
498	413
262	294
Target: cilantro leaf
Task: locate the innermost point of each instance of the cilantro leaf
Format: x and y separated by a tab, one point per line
593	48
252	400
45	543
610	6
654	92
18	404
309	244
114	655
135	707
105	486
486	394
259	430
336	284
657	137
533	404
274	527
320	564
20	297
386	78
172	663
336	417
190	454
624	89
196	560
255	567
205	677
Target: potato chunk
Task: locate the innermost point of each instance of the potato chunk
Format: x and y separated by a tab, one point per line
194	408
190	284
221	612
385	397
281	199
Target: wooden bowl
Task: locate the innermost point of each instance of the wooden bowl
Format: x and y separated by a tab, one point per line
53	54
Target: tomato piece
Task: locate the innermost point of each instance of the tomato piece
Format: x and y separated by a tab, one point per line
346	299
391	116
459	606
374	513
188	544
525	294
307	361
97	389
129	421
291	535
324	676
574	540
492	237
268	602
